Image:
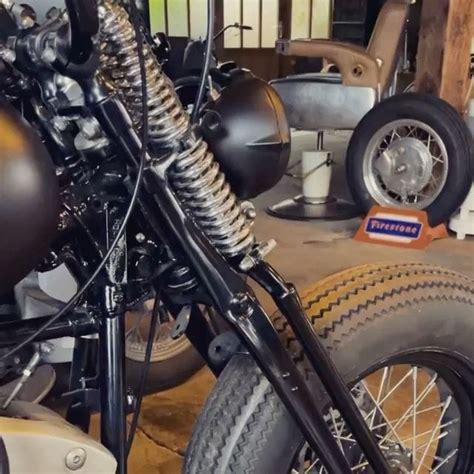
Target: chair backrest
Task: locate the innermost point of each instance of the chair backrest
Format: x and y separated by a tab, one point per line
387	36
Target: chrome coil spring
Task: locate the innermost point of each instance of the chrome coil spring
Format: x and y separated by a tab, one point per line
195	175
167	119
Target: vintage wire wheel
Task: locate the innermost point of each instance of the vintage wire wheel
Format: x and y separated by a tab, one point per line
413	411
172	360
164	346
401	336
406	164
411	151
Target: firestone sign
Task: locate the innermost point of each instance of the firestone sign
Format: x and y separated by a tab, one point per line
394	227
398	227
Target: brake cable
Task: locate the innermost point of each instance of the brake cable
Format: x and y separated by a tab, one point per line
155	323
211	9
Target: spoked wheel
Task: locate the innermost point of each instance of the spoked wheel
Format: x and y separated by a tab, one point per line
415	414
401	336
172	360
406	164
164	346
411	151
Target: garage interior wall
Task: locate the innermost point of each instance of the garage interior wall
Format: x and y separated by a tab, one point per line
310	18
179	17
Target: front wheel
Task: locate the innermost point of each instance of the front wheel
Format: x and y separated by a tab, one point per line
401	336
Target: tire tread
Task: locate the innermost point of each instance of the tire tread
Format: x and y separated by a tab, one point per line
338	306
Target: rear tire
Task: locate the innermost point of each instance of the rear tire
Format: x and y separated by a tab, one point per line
167	373
365	316
172	361
4	469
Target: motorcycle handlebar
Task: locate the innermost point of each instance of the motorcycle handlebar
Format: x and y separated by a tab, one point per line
233	25
84	25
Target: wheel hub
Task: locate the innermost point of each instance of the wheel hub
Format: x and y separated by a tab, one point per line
405	166
399	460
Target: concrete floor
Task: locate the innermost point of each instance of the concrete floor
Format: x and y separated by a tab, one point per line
306	252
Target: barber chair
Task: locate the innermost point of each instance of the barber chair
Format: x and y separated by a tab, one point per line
326	101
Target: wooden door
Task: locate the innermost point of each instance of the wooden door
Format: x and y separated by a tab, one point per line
270	20
179	18
255	50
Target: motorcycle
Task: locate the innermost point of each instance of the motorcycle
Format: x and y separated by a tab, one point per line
172	361
221	74
103	171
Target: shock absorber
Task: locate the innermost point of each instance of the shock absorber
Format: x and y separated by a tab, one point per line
195	175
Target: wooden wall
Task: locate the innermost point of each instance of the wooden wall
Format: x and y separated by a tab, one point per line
445	40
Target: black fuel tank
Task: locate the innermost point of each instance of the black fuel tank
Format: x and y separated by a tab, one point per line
29	198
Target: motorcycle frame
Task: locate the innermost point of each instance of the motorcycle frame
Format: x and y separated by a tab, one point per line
235	302
230	296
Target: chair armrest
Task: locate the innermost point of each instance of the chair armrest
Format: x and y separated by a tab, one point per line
355	65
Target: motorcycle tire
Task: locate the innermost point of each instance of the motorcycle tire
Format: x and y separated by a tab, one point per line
370	318
429	164
172	361
172	371
4	469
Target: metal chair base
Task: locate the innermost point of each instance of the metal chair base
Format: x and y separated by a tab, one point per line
303	209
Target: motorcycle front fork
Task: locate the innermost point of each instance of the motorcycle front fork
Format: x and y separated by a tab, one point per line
235	302
112	380
259	337
233	299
